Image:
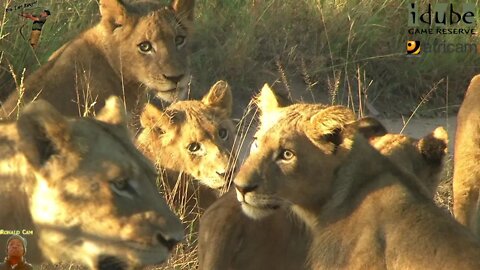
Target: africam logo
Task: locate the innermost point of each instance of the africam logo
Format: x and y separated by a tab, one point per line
413	47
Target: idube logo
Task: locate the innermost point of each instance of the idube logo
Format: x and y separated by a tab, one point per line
442	14
442	19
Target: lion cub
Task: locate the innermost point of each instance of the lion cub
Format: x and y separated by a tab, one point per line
83	189
135	48
242	242
364	212
194	137
466	174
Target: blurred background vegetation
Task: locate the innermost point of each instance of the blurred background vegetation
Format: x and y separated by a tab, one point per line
337	51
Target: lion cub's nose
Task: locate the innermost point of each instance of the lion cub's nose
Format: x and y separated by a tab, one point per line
174	79
245	189
168	242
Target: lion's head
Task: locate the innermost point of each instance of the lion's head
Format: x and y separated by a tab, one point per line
299	149
194	136
283	154
148	43
93	197
238	246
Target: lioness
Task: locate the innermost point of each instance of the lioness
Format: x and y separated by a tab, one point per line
194	137
134	48
84	189
363	211
466	173
279	241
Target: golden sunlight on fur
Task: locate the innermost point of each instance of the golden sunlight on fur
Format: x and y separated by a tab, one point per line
84	189
466	175
363	211
280	240
243	242
423	158
136	48
191	143
193	136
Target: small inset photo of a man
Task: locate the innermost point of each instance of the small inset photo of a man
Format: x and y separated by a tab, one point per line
38	22
16	250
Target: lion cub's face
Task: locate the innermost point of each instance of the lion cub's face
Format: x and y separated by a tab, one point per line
294	156
94	199
299	148
149	43
192	136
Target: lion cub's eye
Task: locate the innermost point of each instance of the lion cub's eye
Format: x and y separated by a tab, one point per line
120	184
223	133
158	130
193	147
145	47
122	187
180	41
286	155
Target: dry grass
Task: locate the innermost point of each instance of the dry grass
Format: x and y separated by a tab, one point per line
444	196
185	204
343	53
319	43
185	255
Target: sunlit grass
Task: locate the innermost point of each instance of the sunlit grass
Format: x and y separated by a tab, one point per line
317	43
337	52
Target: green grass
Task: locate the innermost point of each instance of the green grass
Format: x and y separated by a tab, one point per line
250	42
313	47
347	52
68	18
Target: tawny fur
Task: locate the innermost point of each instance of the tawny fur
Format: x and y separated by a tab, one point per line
466	173
242	242
167	136
83	188
422	157
364	212
107	60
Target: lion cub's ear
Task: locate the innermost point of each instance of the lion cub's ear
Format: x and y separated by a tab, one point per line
114	13
369	127
113	112
184	8
43	133
434	146
154	118
268	100
220	97
150	117
328	124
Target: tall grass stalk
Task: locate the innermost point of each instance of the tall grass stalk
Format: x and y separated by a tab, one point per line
337	52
